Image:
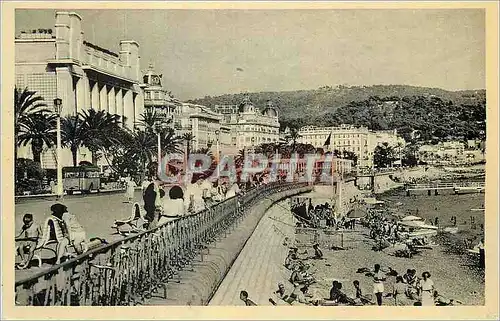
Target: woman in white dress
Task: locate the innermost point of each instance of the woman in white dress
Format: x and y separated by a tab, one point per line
173	206
426	289
130	190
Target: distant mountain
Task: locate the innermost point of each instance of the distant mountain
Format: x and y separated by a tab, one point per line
436	114
327	99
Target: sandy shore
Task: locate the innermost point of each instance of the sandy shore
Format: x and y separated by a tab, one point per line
451	274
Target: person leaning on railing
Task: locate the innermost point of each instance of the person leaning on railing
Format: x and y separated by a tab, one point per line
173	205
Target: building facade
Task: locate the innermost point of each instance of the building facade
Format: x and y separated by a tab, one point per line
452	152
61	64
204	125
249	126
344	137
359	140
157	97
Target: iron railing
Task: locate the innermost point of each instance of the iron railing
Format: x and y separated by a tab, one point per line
128	271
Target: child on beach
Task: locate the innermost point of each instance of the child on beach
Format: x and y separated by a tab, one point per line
360	298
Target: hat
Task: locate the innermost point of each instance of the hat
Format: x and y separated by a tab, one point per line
59	208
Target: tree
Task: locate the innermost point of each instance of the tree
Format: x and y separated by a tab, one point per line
294	136
188	138
26	104
169	141
139	147
72	135
38	129
150	118
351	156
29	175
100	129
383	155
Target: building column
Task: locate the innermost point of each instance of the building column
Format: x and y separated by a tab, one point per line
95	96
139	105
112	100
135	109
80	94
119	102
65	90
103	98
128	109
87	93
195	132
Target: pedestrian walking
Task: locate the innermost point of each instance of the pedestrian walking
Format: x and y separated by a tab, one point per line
129	193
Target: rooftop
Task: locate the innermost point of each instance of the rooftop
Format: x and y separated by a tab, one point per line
36	34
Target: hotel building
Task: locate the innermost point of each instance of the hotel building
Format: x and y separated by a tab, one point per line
60	63
250	126
359	140
157	97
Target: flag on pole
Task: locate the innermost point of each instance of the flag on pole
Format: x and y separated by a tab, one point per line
327	141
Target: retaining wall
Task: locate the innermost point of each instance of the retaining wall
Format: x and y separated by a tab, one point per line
197	285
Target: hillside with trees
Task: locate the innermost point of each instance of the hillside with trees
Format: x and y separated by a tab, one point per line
425	113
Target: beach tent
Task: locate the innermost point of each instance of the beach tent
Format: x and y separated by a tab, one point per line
356	213
418	224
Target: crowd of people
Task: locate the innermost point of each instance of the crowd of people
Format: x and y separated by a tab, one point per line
201	193
408	288
320	216
158	207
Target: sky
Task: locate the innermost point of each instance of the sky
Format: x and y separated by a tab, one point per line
213	52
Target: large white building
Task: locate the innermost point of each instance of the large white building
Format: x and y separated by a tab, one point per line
359	140
249	125
157	97
204	125
59	63
452	152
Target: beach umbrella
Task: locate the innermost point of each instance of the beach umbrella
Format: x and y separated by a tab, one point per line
356	213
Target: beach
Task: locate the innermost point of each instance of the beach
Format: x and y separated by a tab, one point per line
454	276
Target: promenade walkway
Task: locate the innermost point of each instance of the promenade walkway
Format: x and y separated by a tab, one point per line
259	267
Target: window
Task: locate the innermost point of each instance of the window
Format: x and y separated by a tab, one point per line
157	95
44	84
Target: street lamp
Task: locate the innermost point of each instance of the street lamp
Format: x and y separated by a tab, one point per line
158	128
58	109
217	133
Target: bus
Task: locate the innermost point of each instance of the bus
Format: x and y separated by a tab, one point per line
81	178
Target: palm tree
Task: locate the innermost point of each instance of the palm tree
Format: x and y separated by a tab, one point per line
170	141
206	151
100	128
240	158
72	135
188	138
149	119
294	136
39	129
140	145
26	103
